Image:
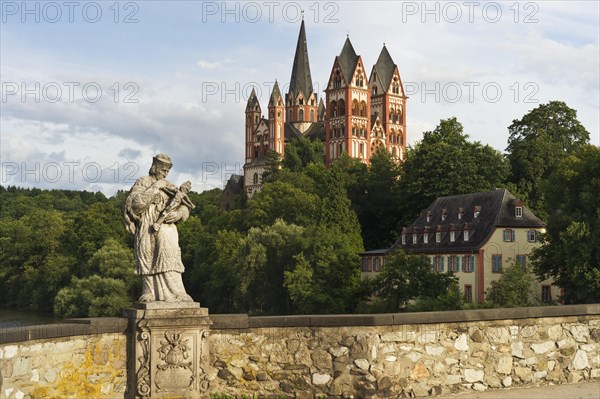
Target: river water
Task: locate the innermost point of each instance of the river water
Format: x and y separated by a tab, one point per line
18	318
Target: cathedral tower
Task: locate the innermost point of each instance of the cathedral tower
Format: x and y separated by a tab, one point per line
301	100
276	121
347	121
388	107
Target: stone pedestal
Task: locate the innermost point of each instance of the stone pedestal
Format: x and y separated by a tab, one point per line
169	350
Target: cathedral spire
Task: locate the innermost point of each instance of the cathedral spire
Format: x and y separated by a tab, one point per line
301	80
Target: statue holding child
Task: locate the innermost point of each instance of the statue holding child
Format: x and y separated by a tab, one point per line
153	208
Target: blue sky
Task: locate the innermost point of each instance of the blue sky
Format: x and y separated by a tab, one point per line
91	91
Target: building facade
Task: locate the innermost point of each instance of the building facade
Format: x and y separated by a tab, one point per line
475	236
362	112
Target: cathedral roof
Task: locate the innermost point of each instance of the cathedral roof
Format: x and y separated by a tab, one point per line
316	131
301	80
385	68
348	60
275	95
252	101
290	132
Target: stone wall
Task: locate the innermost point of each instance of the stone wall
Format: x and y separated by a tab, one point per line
57	364
405	355
363	356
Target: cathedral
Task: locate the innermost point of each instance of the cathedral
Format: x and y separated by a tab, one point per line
360	114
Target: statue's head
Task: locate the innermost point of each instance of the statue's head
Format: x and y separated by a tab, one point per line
161	164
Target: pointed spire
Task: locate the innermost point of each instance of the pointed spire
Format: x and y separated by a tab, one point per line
252	101
347	60
275	95
385	68
321	110
301	80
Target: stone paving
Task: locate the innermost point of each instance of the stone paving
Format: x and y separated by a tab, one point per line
584	390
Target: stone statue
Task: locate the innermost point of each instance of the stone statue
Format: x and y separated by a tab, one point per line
153	208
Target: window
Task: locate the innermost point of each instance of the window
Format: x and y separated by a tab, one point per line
369	261
460	215
438	237
363	265
425	238
468	293
453	263
403	239
439	263
255	178
522	260
452	236
475	214
301	115
546	293
531	235
374	90
428	218
466	235
377	264
519	211
468	263
496	263
414	238
312	115
443	217
508	235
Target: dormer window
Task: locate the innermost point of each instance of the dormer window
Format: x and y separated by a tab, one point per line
403	239
438	237
475	214
466	235
452	236
519	211
443	217
460	215
428	217
414	238
425	238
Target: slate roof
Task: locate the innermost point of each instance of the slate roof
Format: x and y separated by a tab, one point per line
301	81
496	210
385	68
316	131
275	95
290	132
252	100
347	60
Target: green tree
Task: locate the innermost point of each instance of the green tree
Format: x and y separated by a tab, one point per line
302	152
445	163
115	260
570	253
409	277
378	202
92	296
537	143
514	288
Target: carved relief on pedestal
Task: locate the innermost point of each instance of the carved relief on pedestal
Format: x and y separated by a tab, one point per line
175	372
143	371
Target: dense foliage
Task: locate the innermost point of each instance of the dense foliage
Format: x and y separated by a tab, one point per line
293	247
537	143
571	250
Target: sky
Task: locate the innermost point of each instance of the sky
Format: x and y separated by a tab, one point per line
91	91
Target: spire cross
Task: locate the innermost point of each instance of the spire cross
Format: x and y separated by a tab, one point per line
302	12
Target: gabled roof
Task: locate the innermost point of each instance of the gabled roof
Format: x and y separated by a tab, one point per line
496	210
252	101
347	60
275	95
385	68
301	81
